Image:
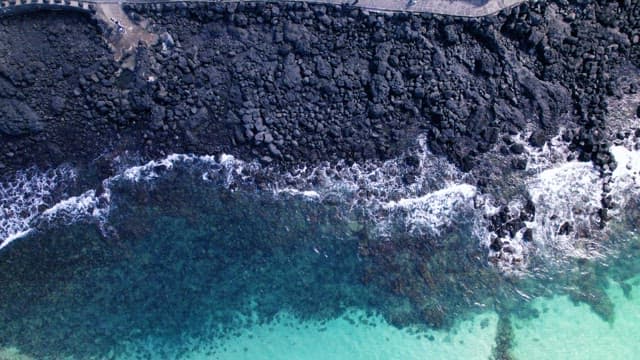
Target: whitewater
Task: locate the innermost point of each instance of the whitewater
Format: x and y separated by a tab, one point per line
419	191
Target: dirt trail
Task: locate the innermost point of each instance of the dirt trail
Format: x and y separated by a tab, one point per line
122	34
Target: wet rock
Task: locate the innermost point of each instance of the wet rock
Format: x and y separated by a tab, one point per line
537	139
496	244
565	229
517	148
607	202
519	164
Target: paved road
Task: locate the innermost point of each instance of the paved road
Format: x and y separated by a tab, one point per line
466	8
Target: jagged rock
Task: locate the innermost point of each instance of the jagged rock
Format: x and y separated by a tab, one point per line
167	40
450	33
379	88
323	68
291	77
157	117
537	139
376	111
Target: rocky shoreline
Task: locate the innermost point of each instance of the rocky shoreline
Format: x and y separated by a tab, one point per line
292	84
298	83
295	84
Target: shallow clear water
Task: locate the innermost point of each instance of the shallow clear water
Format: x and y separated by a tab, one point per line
193	259
563	329
354	335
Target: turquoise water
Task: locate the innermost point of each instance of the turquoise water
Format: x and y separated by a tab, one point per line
194	270
354	335
566	330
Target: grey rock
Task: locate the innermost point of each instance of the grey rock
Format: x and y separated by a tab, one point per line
291	76
274	150
450	34
379	88
158	115
517	148
167	40
57	105
537	138
376	111
323	68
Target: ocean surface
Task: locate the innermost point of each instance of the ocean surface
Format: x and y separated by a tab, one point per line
210	257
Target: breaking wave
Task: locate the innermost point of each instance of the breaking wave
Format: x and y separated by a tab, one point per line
24	195
419	192
574	202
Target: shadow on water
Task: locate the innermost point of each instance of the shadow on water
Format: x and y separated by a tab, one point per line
184	255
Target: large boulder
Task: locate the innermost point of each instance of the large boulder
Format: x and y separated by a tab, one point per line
17	118
6	88
291	76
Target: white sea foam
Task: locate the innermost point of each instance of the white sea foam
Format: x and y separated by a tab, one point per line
150	170
309	194
423	192
567	195
624	186
553	152
28	200
88	205
22	197
428	193
567	198
625	179
435	211
15	236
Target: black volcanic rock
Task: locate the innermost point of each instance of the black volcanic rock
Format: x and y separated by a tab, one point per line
6	88
333	81
17	118
57	105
